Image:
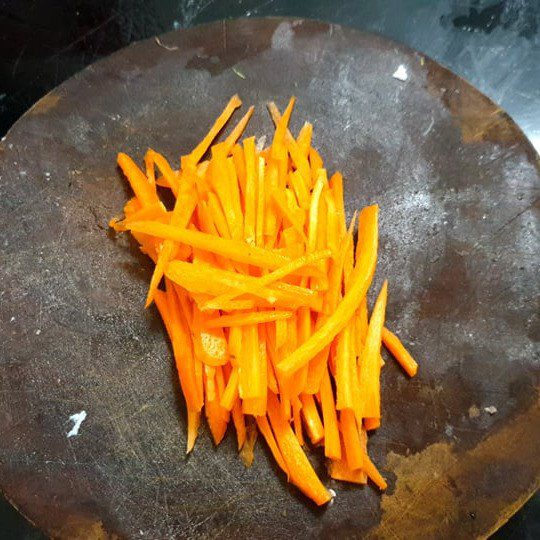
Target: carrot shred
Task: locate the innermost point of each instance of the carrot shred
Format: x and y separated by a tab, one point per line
370	367
301	472
399	352
312	419
199	151
263	296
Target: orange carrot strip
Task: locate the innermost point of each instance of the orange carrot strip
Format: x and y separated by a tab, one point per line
296	181
281	333
333	233
250	380
235	198
336	185
304	138
301	472
399	352
240	167
373	474
266	430
199	151
351	439
370	367
260	218
298	155
236	133
372	423
239	424
143	189
312	419
346	308
314	210
230	394
235	250
340	470
193	421
182	348
250	191
345	363
281	129
246	453
214	207
183	209
198	277
296	220
171	177
297	421
242	319
315	162
332	445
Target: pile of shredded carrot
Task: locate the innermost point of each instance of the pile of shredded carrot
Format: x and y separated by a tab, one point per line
262	290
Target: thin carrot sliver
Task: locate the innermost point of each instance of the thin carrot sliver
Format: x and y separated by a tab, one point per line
399	352
143	189
332	445
312	419
370	367
235	250
194	421
199	151
351	440
242	319
301	472
250	191
266	430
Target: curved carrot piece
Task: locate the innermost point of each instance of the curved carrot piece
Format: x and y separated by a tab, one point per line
266	430
346	308
399	352
301	472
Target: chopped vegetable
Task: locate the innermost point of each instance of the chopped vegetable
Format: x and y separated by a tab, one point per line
263	295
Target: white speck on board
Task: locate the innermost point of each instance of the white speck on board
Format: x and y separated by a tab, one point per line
401	73
491	409
77	420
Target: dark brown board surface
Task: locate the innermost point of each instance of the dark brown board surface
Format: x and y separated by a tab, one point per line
458	187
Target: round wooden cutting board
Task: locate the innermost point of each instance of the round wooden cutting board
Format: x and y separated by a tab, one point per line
458	185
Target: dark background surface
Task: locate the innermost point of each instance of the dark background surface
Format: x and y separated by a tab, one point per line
493	44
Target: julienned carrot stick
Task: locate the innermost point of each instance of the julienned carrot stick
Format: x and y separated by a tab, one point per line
199	151
312	419
399	352
301	472
264	296
266	430
143	189
345	310
235	250
370	367
242	319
